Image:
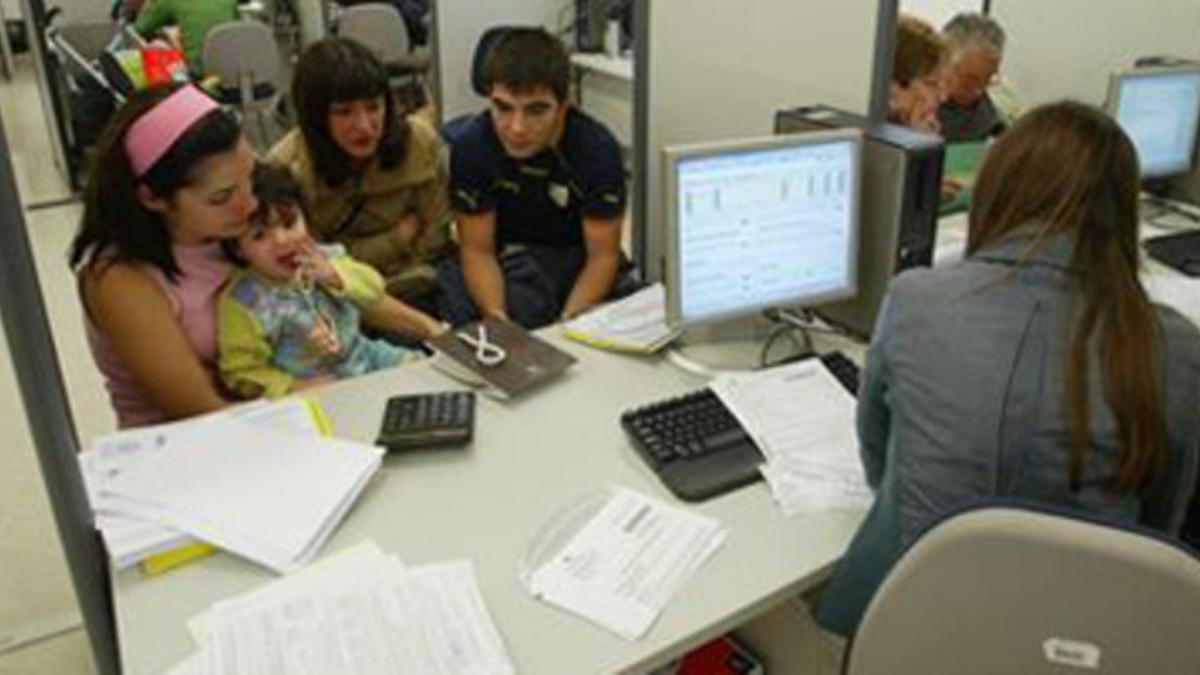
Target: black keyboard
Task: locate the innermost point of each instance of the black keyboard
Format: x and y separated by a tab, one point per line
428	420
696	445
843	370
1180	251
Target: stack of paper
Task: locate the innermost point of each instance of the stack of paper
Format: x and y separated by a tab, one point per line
637	323
624	564
129	539
802	419
271	497
359	612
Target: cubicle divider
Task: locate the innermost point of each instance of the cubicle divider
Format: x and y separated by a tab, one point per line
458	25
36	365
711	69
1067	48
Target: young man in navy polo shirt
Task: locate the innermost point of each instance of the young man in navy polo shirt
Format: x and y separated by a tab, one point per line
539	192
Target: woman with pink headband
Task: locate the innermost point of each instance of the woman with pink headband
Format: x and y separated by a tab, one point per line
170	180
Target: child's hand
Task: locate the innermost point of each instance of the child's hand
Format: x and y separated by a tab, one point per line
323	337
316	267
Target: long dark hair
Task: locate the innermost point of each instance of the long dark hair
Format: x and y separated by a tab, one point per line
115	222
1067	168
337	70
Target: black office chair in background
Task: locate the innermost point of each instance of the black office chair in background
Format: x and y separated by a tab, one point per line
453	129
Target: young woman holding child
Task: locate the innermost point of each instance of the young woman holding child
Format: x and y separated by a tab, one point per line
171	179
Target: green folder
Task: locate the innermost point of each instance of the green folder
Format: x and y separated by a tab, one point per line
960	165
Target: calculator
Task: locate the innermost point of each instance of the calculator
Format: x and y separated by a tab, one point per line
420	421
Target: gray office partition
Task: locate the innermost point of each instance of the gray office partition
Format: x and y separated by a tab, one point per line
881	66
1068	48
40	380
712	69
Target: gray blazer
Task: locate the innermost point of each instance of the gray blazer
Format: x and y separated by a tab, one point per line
962	400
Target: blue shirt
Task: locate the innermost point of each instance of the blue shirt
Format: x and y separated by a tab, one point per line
963	400
544	199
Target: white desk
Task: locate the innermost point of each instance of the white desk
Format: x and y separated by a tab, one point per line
529	459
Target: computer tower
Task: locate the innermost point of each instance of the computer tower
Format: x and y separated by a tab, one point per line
591	22
902	176
1186	188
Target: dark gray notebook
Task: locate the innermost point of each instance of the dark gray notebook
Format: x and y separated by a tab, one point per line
529	361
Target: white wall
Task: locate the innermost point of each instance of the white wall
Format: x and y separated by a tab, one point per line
720	70
1067	48
459	25
938	12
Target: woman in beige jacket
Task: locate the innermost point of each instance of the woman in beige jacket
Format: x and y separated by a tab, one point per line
376	179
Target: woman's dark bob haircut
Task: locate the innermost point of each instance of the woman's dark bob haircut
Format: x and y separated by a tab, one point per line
337	70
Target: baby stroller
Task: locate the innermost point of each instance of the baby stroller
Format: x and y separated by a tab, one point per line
90	82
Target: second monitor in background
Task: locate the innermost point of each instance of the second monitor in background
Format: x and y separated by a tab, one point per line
1159	108
754	225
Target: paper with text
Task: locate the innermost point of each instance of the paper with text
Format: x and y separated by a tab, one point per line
802	419
635	323
623	566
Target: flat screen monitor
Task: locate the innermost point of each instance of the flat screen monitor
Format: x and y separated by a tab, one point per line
760	223
1160	110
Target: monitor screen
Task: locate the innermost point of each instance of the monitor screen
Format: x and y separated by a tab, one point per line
1160	110
761	223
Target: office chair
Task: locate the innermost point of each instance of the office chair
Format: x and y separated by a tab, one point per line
453	129
1003	590
245	58
381	28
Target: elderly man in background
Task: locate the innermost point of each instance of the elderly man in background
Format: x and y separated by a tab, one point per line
976	46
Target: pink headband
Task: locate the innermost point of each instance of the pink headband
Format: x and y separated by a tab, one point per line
149	138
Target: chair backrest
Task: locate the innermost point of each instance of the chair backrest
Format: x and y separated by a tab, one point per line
235	49
1003	590
377	26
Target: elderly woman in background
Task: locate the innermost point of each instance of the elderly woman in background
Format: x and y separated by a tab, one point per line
917	64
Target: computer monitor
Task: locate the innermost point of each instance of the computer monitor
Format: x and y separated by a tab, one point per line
761	223
1160	110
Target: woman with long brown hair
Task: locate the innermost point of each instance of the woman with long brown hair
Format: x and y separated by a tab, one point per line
1036	368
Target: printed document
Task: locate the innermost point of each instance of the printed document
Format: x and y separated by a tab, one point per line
130	539
637	323
623	566
358	612
802	419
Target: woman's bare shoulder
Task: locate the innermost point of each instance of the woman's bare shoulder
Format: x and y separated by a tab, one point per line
105	283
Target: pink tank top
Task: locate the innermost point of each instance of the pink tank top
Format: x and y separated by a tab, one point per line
203	270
